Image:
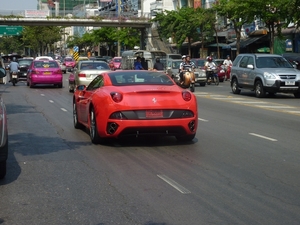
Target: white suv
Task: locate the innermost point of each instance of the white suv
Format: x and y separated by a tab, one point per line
264	73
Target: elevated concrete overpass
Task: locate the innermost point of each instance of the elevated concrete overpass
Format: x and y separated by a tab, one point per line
117	22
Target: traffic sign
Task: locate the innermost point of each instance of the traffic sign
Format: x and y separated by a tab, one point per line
76	49
11	30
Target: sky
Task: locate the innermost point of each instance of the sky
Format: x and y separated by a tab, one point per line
18	4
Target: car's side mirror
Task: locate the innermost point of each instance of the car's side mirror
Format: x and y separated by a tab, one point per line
250	66
2	72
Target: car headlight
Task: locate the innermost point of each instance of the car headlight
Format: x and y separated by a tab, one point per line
268	75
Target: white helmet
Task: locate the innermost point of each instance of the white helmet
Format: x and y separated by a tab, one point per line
184	56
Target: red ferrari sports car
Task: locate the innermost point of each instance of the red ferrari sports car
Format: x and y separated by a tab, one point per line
135	103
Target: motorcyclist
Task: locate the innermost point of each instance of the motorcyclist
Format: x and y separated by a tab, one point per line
13	67
186	65
181	68
227	63
209	66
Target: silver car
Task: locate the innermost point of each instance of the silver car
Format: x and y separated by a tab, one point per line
264	73
3	132
85	71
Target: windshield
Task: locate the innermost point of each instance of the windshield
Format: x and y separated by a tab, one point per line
272	62
24	62
94	65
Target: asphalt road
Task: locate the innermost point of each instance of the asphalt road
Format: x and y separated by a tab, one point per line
242	167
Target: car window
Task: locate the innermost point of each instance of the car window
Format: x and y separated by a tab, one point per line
46	64
24	62
244	62
237	59
96	83
138	78
250	61
272	62
94	66
117	60
68	59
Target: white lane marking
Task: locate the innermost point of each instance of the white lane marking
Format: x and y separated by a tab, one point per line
264	137
276	106
249	102
293	111
174	184
51	101
63	109
204	120
42	95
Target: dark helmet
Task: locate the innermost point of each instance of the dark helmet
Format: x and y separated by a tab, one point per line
157	59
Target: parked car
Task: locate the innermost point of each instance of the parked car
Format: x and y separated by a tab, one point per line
117	62
264	73
44	72
221	69
85	71
24	64
3	132
68	63
135	103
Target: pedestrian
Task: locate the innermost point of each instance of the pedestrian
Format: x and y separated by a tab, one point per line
138	64
144	63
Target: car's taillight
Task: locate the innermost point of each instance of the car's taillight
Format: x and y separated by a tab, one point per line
187	96
59	71
117	97
81	75
35	72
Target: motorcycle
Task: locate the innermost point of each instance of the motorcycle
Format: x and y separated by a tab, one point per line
188	80
212	76
14	77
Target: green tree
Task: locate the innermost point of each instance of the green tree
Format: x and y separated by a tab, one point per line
40	38
274	14
180	25
238	12
11	44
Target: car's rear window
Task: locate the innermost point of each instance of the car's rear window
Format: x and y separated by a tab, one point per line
94	66
138	78
24	62
69	59
46	64
117	60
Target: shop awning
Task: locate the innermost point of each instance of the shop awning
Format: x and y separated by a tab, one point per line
245	42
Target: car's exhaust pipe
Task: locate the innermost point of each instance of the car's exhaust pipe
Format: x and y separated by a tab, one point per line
191	125
112	128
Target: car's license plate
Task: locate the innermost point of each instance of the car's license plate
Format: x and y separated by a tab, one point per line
289	82
222	71
47	73
14	76
154	113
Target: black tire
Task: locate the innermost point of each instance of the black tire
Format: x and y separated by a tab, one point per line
234	86
60	85
259	89
189	137
203	84
27	83
95	138
3	163
14	82
77	125
192	87
297	95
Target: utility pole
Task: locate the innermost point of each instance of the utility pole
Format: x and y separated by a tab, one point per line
119	12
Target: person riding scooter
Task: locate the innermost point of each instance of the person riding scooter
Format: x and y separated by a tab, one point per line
209	67
13	68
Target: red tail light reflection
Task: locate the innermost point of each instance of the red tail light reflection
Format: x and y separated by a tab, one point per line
187	96
117	97
81	75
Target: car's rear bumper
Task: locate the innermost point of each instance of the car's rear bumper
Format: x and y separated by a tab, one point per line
171	127
44	79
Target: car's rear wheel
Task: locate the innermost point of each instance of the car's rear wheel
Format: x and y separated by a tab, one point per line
234	87
60	85
77	125
31	85
259	89
3	163
189	137
203	84
95	138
